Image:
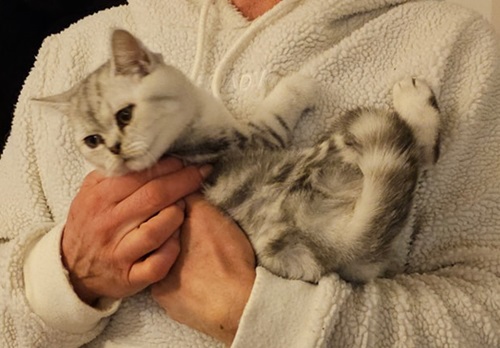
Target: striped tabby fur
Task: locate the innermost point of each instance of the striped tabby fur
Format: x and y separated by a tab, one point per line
337	206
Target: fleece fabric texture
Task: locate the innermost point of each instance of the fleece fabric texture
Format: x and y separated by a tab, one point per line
448	291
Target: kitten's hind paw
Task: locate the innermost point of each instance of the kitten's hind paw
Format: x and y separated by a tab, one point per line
411	96
416	103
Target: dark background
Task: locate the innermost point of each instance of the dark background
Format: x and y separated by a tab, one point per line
23	26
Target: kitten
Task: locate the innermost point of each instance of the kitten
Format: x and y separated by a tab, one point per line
337	206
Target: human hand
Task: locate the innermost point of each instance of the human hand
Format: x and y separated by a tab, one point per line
120	234
209	284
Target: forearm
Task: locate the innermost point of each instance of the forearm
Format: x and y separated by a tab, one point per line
25	216
20	324
25	219
50	293
409	311
289	313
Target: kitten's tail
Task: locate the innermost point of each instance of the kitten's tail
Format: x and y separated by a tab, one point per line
384	148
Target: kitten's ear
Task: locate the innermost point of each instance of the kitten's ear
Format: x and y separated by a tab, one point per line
130	56
59	102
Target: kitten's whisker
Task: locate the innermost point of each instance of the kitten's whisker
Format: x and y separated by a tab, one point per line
135	149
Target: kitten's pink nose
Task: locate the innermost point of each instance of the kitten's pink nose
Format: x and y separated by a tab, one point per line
115	149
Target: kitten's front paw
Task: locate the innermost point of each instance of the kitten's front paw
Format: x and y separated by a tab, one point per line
416	103
300	88
285	105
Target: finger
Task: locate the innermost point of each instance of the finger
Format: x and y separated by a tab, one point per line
181	204
119	187
159	193
157	265
151	234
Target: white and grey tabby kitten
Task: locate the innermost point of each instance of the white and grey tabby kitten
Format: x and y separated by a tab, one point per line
337	206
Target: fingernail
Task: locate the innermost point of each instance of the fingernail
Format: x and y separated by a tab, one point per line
205	170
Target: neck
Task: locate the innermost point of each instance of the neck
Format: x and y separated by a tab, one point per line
213	132
252	9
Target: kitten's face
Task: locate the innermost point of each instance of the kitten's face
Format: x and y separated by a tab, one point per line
133	122
128	113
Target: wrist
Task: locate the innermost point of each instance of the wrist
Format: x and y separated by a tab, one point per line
228	327
83	293
50	293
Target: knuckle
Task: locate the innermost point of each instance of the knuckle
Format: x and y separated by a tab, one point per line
92	178
116	262
151	237
176	215
93	200
160	269
154	272
96	200
153	196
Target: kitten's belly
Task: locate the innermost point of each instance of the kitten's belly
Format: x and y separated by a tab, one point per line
271	203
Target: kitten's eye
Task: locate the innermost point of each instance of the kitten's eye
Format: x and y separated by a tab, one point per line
93	141
124	116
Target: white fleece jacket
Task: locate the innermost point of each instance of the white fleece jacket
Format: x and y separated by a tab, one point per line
448	291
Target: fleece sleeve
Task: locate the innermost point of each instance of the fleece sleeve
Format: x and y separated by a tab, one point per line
50	293
449	295
25	217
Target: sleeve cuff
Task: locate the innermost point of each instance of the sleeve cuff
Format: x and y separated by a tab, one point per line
288	313
49	291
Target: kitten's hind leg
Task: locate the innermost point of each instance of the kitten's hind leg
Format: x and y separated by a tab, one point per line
415	103
382	146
